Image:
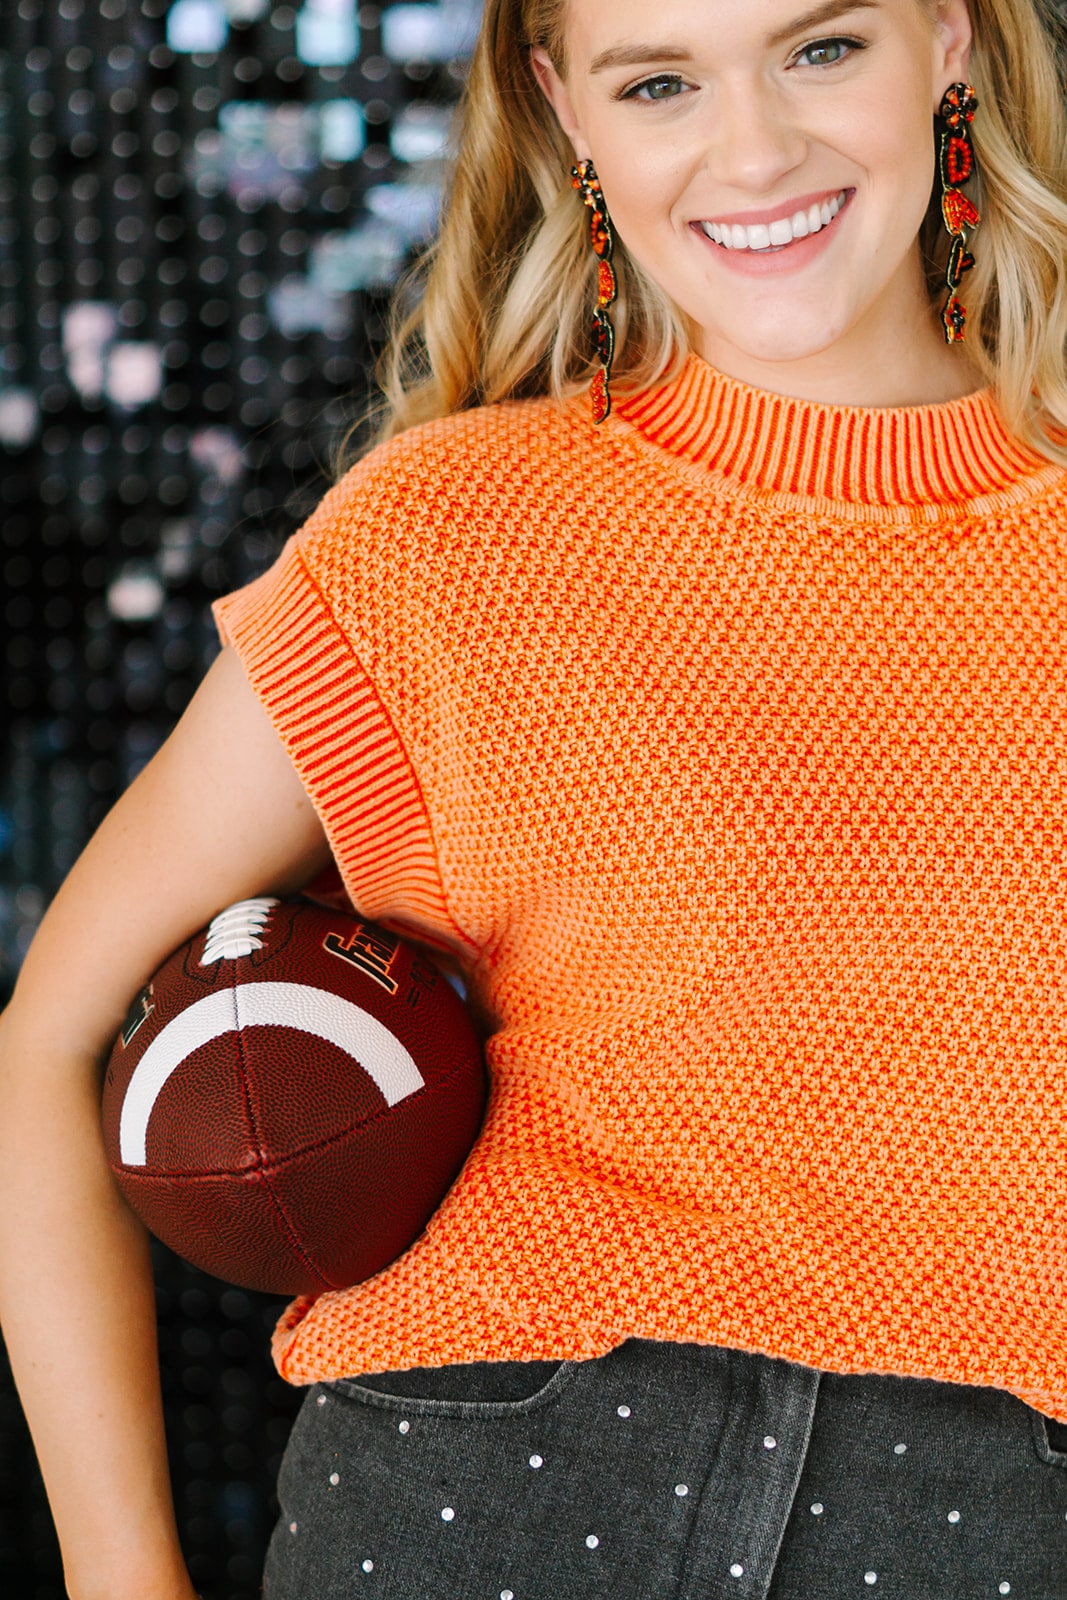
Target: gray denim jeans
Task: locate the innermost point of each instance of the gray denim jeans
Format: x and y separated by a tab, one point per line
667	1472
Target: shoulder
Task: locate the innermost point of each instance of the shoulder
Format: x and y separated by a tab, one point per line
432	504
471	451
449	485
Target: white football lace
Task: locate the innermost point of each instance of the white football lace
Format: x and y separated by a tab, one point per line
236	931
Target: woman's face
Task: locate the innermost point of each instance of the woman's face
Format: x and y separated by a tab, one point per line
769	164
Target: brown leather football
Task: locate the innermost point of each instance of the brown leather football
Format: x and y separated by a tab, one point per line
291	1097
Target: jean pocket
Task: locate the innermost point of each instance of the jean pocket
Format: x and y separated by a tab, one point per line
495	1388
1050	1439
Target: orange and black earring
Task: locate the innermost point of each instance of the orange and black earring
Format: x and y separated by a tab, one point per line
603	241
960	213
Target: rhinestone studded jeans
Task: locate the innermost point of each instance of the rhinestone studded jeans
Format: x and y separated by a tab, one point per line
667	1472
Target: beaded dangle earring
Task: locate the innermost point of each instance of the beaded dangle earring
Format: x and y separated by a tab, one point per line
960	214
603	241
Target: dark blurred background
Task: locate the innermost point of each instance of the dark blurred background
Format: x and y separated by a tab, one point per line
204	207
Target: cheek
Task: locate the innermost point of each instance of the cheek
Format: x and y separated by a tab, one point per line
651	201
907	163
895	142
644	189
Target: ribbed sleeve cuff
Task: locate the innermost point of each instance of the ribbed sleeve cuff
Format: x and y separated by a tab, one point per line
343	744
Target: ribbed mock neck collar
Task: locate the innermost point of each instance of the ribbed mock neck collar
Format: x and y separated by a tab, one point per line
917	455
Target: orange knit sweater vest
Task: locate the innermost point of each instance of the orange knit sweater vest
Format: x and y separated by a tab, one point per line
725	749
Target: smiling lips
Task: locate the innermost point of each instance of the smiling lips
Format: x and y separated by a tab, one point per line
776	235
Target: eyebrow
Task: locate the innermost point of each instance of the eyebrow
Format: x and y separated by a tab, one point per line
635	55
819	15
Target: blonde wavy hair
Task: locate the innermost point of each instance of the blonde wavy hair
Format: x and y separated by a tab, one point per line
498	308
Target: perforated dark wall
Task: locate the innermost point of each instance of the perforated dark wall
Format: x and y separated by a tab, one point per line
203	208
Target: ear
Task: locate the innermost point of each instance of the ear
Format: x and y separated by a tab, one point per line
953	38
558	97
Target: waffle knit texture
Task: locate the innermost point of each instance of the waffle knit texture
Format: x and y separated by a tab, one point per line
724	747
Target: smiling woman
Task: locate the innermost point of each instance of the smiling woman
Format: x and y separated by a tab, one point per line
733	114
716	731
761	126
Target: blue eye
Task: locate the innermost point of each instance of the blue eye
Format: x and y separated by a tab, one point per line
828	52
665	87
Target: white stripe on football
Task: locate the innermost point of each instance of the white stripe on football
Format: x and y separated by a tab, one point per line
249	1005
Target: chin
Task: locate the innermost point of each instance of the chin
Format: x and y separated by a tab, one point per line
779	345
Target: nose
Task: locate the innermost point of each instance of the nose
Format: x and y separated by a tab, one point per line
753	141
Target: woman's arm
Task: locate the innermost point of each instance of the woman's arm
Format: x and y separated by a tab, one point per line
217	816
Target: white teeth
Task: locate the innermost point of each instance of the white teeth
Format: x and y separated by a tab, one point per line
761	236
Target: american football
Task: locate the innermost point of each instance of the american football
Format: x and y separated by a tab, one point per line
291	1097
